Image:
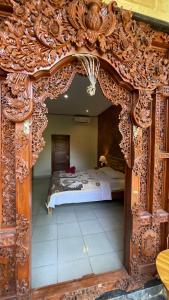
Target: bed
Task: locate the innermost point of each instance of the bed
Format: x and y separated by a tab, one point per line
84	186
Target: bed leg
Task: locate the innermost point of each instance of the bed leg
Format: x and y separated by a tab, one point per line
50	210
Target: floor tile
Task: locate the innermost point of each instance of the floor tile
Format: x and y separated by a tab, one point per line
106	263
90	227
44	253
111	223
116	239
74	269
71	243
68	230
97	244
34	220
44	233
43	276
42	209
65	217
66	208
70	249
83	206
43	220
84	214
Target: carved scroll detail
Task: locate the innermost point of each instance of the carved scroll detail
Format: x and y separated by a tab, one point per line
18	103
36	36
8	168
22	169
93	292
91	30
21	233
7	271
23	290
142	109
7	239
21	142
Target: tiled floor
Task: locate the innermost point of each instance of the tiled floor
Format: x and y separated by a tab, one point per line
77	240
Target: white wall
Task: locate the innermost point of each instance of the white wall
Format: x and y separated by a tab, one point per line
83	143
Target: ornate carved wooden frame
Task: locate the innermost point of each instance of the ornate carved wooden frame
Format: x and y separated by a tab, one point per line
38	42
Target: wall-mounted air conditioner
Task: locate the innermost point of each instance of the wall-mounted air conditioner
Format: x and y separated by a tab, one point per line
81	119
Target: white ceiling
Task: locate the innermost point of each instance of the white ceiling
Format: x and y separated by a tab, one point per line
78	100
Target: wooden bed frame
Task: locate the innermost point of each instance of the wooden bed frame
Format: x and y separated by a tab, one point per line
38	43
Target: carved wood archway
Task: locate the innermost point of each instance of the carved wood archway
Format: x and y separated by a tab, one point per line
34	39
58	84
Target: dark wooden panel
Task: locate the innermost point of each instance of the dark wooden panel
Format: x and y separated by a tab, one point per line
109	138
60	152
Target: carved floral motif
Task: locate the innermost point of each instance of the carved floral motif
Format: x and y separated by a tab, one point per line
22	228
92	22
142	109
7	239
35	37
160	145
21	143
22	169
18	106
39	34
7	271
23	290
149	244
8	168
93	292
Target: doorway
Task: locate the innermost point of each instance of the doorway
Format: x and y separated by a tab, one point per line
60	152
88	236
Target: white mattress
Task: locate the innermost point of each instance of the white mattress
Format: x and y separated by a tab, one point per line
90	191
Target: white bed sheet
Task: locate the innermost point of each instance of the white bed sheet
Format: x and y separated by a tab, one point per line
90	192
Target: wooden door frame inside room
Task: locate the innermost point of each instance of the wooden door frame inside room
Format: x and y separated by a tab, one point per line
37	42
53	160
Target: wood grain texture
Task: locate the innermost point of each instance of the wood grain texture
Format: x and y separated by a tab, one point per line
37	46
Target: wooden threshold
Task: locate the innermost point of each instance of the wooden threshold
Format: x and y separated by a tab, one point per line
103	283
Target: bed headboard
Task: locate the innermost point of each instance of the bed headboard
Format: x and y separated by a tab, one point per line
117	163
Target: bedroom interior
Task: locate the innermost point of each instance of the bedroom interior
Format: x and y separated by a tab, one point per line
78	189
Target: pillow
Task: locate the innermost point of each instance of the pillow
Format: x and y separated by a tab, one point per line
112	173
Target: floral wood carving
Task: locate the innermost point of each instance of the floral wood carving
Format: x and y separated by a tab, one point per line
92	22
145	244
7	239
22	228
18	106
149	244
22	169
3	274
8	168
21	142
94	292
160	145
142	109
7	271
37	35
23	290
